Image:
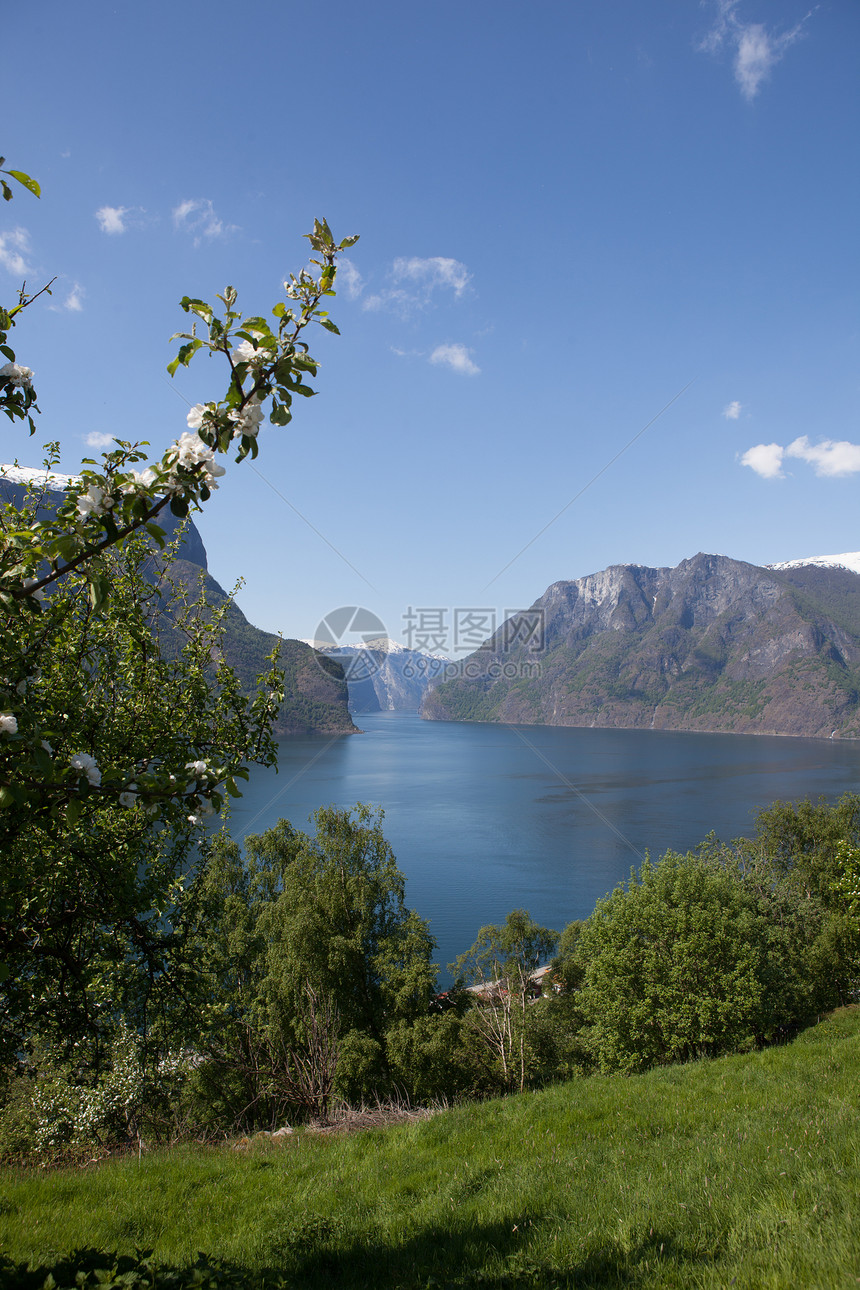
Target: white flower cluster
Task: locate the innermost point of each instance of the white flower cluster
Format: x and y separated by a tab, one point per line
95	501
139	480
67	1113
197	416
188	452
204	808
250	418
84	762
8	723
246	353
16	374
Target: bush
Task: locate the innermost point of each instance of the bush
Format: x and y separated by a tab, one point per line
684	963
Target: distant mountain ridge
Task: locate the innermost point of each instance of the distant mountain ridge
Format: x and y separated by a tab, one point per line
848	560
315	691
384	676
714	644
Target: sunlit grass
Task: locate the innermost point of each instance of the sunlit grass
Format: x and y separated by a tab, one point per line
744	1168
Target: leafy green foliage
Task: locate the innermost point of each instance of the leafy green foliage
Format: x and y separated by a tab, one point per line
500	966
42	547
105	813
323	914
743	1170
673	967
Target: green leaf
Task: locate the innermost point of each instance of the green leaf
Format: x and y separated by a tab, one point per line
329	326
26	181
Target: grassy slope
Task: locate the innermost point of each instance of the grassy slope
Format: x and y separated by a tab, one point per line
742	1171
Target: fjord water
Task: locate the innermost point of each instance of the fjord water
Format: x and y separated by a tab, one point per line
488	818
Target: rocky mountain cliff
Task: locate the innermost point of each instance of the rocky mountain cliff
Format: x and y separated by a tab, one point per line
383	676
712	645
315	691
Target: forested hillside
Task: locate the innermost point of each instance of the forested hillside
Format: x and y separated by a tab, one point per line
712	645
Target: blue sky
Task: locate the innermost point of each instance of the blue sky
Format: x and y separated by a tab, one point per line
569	214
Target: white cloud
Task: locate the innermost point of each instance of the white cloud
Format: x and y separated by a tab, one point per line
732	410
437	271
765	459
830	458
199	218
13	247
756	50
457	357
112	219
423	277
74	300
398	301
95	439
348	274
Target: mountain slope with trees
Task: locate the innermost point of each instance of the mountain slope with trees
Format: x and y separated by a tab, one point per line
712	645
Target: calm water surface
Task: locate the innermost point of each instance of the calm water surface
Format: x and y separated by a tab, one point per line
484	818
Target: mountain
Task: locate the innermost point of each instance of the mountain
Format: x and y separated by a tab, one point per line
848	560
315	692
383	676
712	645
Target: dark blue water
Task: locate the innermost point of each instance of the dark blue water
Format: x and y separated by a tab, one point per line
484	819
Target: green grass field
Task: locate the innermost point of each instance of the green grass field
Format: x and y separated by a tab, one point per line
739	1172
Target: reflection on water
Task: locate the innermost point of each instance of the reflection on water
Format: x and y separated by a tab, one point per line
482	822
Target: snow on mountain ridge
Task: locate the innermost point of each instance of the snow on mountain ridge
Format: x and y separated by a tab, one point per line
848	560
43	479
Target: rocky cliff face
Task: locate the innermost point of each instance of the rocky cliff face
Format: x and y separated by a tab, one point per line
712	645
315	692
386	679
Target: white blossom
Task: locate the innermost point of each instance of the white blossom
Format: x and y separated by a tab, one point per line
84	762
195	416
139	480
195	819
17	374
95	501
47	747
188	452
197	768
248	421
8	723
127	798
246	353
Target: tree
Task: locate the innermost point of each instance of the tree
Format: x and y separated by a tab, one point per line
693	958
500	967
311	964
40	549
89	893
111	753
